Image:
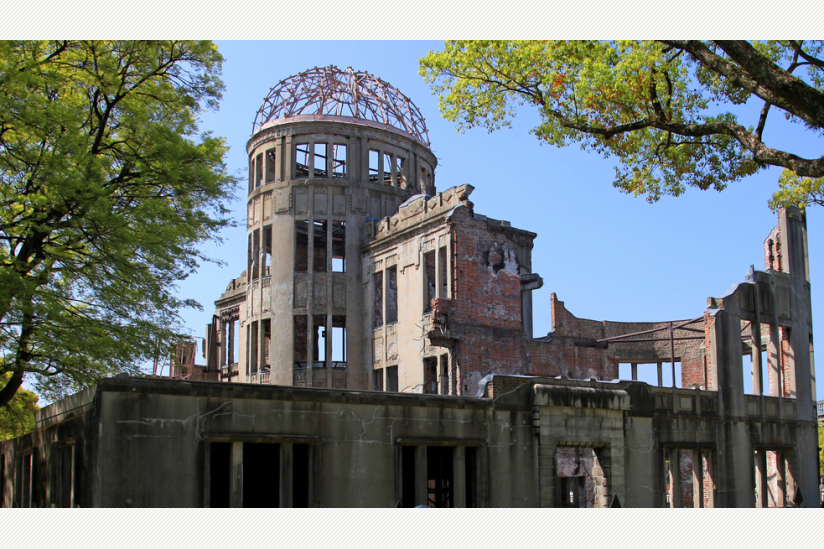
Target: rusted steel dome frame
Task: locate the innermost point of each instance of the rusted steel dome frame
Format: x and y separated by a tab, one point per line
331	91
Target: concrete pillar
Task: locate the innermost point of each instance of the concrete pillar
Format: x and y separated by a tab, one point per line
675	477
660	374
438	272
236	498
774	360
761	483
697	478
780	480
286	468
420	475
708	457
547	473
459	476
634	372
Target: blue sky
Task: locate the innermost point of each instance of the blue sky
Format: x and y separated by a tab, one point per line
607	255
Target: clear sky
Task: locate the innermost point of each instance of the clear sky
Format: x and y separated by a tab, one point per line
607	255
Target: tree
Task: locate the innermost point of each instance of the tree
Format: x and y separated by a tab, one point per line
661	107
106	190
17	417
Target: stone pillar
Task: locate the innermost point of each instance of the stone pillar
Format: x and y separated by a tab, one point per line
675	477
697	478
761	483
459	476
547	473
286	468
420	476
236	497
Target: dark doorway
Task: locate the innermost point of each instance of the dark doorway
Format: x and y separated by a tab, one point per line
261	475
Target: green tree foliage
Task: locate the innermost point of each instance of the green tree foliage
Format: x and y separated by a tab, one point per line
17	417
661	107
106	190
820	449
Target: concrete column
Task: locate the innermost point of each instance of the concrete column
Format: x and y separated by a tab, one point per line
761	484
420	476
774	361
708	455
547	473
236	498
756	369
634	372
329	329
438	269
780	480
660	375
697	478
459	476
675	477
286	468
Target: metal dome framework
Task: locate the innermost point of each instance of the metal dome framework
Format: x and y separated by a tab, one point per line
331	91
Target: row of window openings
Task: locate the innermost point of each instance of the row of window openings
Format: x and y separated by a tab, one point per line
230	341
320	337
264	490
262	475
312	160
327	238
263	167
324	233
64	487
436	377
390	303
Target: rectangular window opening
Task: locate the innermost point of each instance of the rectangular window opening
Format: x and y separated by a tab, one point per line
471	476
320	160
301	160
319	250
271	165
387	169
234	352
430	375
301	467
444	377
444	272
267	339
65	476
253	349
408	476
254	255
377	301
747	366
259	170
220	474
339	246
339	342
300	340
624	371
374	165
377	378
429	280
319	341
266	269
392	379
301	246
261	478
338	160
392	295
399	172
439	480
